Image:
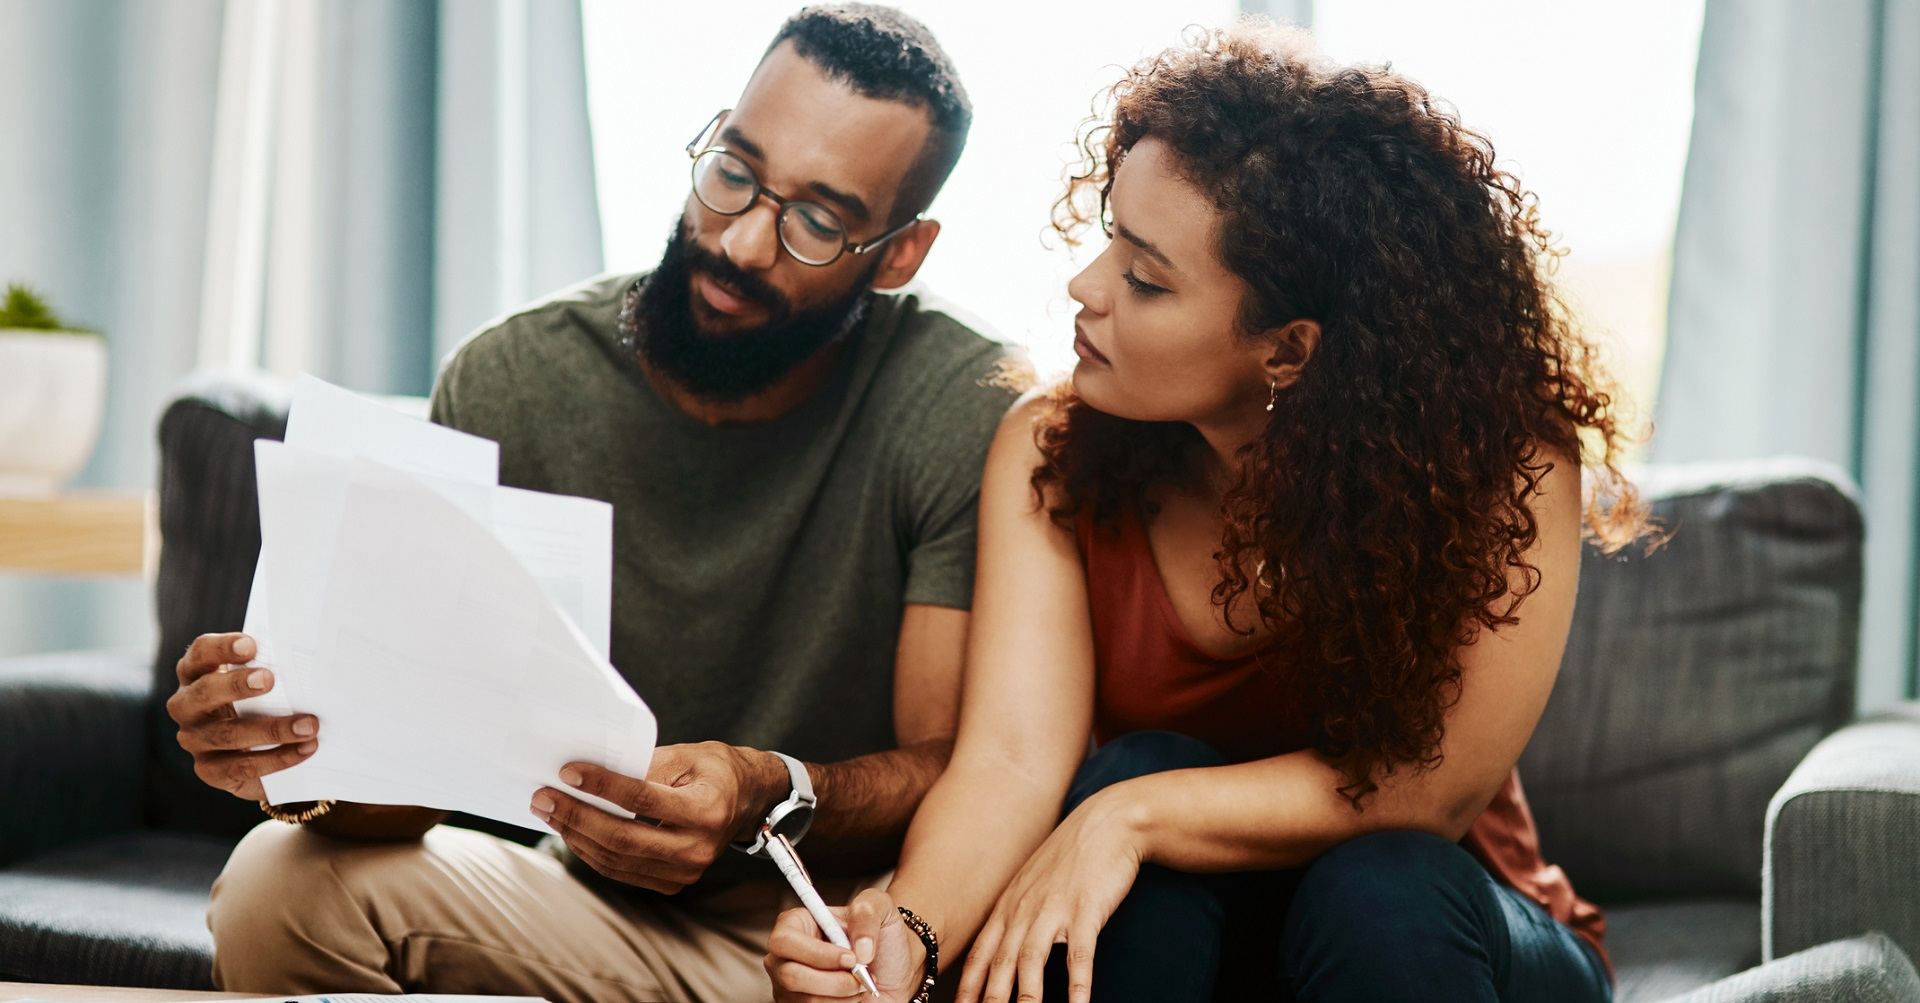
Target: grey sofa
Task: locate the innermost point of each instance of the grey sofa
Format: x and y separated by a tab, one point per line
1692	772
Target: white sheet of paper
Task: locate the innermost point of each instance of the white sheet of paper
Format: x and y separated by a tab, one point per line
484	697
443	673
332	420
336	422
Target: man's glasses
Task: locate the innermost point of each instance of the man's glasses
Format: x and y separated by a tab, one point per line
811	232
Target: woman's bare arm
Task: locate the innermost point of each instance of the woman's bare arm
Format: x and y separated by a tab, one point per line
1026	708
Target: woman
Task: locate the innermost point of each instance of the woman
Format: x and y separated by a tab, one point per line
1297	548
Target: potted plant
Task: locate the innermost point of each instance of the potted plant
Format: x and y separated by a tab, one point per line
53	383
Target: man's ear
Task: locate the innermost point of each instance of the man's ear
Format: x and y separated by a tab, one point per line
900	259
1293	345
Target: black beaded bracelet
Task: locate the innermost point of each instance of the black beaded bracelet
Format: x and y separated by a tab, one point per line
932	940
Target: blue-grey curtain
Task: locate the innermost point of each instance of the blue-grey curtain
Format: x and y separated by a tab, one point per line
425	166
1794	321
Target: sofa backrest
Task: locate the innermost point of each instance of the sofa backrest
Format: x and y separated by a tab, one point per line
1697	677
210	539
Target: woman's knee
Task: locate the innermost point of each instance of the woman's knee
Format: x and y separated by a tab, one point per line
1386	884
1137	754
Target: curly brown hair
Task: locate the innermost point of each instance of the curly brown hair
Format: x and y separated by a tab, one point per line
1385	511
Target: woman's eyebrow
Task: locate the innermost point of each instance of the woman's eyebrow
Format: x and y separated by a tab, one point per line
1147	248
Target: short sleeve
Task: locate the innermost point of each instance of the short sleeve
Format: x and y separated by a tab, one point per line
441	408
943	454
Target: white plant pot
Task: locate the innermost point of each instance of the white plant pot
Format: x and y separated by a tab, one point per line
53	389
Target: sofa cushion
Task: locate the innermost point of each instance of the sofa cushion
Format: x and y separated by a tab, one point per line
71	748
1866	969
1660	950
125	911
1696	677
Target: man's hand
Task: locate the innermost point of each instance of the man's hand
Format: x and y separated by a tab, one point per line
221	741
703	796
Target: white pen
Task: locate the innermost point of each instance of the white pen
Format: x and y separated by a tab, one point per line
788	861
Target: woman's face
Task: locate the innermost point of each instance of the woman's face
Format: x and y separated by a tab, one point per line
1156	332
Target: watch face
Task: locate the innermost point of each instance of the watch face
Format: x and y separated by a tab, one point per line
794	823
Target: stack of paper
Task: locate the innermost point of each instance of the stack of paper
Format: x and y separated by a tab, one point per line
450	634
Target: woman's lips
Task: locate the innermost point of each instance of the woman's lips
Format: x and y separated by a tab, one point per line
1085	350
720	299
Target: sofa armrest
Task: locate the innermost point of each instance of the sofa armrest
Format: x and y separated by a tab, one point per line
1866	969
72	748
1843	839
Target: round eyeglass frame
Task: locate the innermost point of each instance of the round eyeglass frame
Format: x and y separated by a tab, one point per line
701	146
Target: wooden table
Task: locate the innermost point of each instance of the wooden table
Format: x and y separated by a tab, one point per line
110	994
79	533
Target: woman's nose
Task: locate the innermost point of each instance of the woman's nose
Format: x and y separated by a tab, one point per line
1084	289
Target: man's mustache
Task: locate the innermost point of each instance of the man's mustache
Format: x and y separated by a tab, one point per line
738	281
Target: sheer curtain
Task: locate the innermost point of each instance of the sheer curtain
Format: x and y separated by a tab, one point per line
344	187
1795	310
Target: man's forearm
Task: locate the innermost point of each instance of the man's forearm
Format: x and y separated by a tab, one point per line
865	803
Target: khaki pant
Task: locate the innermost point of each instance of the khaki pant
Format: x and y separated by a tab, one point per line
296	912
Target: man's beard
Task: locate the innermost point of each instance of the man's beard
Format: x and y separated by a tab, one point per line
657	320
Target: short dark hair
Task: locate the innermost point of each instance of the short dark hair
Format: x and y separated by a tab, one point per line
882	53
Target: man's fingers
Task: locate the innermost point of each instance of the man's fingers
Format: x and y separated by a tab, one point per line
627	792
215	692
210	651
239	773
667	880
247	733
645	798
630	846
624	837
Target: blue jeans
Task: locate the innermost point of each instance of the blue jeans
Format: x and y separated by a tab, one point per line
1381	917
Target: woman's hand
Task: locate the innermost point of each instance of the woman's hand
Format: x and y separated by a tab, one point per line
806	968
1064	894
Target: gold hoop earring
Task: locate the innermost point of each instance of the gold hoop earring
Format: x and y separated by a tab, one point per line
1273	394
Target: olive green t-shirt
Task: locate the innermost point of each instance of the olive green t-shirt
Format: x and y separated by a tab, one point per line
759	570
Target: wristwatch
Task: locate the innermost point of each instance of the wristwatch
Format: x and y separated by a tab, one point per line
791	817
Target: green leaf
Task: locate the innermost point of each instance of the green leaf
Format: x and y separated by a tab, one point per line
25	309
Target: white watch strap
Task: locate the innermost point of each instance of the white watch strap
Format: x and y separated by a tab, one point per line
801	798
802	782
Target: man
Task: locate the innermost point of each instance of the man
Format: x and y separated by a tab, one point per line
793	461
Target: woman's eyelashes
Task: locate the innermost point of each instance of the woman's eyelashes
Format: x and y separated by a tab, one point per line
1142	288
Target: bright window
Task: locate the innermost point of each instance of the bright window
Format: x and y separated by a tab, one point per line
1590	105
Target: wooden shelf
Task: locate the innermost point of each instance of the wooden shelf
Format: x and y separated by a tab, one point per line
78	533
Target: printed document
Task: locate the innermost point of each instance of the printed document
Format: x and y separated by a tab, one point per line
450	634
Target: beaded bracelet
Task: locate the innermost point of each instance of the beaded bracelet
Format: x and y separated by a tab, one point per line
932	941
301	817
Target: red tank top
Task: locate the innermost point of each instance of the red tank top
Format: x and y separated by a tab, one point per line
1150	676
